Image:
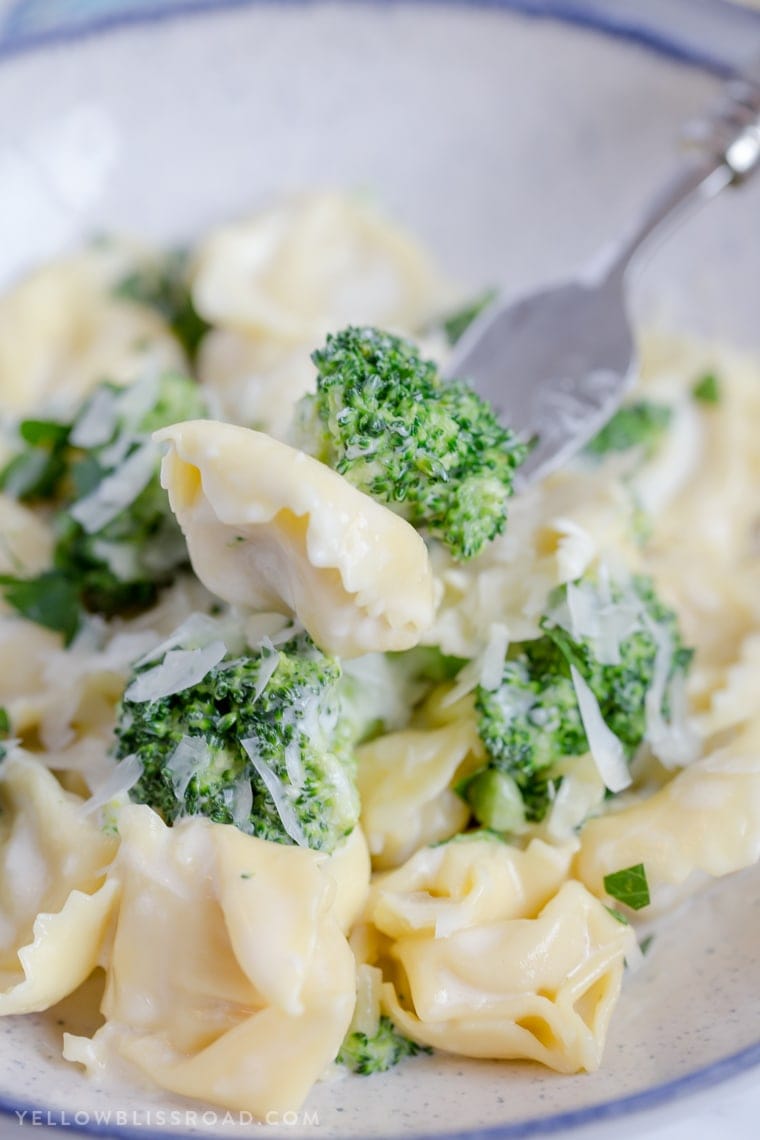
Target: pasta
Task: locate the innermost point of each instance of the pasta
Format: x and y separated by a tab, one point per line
355	574
381	792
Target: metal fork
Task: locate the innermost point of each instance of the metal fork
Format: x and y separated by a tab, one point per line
556	364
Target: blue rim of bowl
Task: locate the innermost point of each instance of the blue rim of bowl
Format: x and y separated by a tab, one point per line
570	11
638	21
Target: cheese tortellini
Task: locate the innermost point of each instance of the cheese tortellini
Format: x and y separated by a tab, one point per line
406	787
62	330
230	978
705	821
496	954
315	263
55	902
270	528
273	285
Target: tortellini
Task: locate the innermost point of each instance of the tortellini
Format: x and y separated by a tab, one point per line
270	528
230	978
62	330
55	902
274	285
405	784
704	821
488	951
316	263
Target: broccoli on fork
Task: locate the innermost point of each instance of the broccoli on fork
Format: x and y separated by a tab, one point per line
431	450
257	742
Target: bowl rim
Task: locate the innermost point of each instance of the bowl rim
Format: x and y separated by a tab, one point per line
646	22
631	22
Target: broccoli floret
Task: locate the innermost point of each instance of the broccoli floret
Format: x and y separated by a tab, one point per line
640	425
527	725
116	540
532	720
365	1054
621	674
258	743
431	450
164	286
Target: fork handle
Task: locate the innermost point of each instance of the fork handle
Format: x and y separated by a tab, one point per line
728	137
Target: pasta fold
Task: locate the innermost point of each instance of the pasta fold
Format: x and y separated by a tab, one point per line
404	781
62	330
230	979
55	904
270	528
496	955
315	263
704	821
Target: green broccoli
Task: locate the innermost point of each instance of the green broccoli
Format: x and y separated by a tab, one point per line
431	450
256	742
365	1054
527	725
629	658
116	540
640	425
624	671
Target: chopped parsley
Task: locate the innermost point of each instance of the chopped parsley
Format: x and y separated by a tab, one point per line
51	599
707	389
629	886
37	471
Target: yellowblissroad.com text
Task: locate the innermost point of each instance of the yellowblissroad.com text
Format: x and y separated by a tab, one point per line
161	1118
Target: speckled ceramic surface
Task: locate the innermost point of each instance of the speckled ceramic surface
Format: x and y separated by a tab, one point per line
514	148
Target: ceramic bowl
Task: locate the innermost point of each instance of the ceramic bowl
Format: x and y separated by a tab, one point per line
515	148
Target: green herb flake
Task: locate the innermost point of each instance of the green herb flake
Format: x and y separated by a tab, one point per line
629	886
51	599
38	471
707	389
